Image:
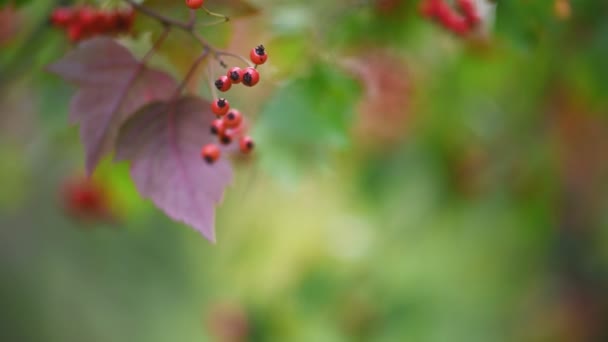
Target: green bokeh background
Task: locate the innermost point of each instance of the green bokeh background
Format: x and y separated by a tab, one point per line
483	221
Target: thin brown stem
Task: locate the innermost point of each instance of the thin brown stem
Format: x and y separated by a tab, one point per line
163	19
233	55
205	44
211	83
190	73
156	44
192	19
213	14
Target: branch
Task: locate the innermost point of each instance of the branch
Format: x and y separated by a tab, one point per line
163	19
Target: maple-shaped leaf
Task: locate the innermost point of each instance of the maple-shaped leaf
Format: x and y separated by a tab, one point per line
163	142
112	85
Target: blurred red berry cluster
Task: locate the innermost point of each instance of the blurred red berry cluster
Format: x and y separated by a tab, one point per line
84	22
460	22
86	200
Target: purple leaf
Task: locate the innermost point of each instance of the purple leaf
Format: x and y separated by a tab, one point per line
112	86
163	142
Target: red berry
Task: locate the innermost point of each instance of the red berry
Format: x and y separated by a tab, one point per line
217	127
246	144
62	16
258	55
220	106
235	74
85	199
124	21
210	153
86	17
223	83
226	137
233	119
75	32
251	77
469	11
195	4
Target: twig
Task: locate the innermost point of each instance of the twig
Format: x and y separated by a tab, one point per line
189	27
191	72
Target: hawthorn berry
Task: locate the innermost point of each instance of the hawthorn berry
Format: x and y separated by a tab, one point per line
62	16
226	136
124	20
75	32
85	22
210	153
469	11
232	119
246	144
85	199
87	17
223	83
217	127
251	77
220	107
195	4
258	55
235	74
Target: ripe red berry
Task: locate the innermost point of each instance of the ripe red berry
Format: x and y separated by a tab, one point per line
217	127
469	11
106	21
62	16
251	77
86	17
220	106
75	32
85	199
246	144
227	136
233	119
195	4
258	55
223	83
124	20
235	74
210	153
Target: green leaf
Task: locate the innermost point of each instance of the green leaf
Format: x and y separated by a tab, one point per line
307	118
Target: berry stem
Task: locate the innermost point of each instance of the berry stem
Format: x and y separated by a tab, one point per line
233	55
190	73
213	14
189	27
192	19
156	44
211	78
163	19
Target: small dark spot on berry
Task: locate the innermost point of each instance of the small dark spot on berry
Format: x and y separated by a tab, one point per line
250	145
247	79
230	116
226	140
221	103
260	50
234	76
213	130
208	159
219	84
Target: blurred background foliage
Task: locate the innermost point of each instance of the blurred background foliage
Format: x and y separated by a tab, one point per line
408	185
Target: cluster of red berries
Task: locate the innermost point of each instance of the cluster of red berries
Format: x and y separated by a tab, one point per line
460	23
85	199
229	124
84	22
